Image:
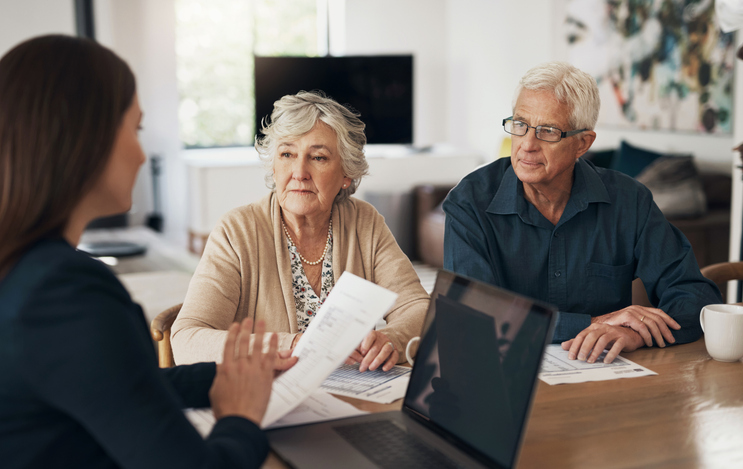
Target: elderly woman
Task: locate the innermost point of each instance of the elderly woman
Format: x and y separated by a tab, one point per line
277	259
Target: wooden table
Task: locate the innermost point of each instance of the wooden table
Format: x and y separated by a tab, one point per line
689	416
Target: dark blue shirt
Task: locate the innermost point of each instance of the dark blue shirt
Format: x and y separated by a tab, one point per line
610	233
79	382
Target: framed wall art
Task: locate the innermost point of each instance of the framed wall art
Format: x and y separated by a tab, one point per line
659	64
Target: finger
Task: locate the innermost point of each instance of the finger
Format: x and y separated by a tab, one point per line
641	325
614	350
269	360
367	343
243	340
384	353
566	345
391	361
355	357
370	356
284	360
259	334
663	329
229	346
575	346
350	361
588	344
667	319
284	364
651	322
598	349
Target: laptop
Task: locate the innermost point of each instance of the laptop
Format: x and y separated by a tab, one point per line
469	394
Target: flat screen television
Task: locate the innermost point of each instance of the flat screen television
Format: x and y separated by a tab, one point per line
379	87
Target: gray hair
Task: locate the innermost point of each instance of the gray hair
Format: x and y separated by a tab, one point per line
295	115
570	86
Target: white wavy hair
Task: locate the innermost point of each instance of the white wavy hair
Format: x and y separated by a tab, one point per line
571	86
295	115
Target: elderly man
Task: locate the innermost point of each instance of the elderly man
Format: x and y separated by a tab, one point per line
552	226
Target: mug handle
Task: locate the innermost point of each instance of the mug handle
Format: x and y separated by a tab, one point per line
410	359
701	319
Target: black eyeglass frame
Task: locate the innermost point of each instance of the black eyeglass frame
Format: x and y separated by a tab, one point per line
569	133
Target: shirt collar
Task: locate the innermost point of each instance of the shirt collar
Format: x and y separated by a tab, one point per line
587	188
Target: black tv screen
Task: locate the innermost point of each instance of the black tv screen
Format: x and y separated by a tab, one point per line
380	88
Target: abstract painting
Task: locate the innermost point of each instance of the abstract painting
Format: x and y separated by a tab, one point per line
659	64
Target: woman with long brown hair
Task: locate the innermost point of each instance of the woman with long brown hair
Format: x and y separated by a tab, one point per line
79	383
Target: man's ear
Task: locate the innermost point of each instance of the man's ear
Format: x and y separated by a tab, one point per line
585	140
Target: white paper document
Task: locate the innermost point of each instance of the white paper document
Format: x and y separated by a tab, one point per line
348	314
319	407
558	369
376	386
202	419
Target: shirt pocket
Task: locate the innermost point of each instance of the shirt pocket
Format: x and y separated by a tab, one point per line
609	287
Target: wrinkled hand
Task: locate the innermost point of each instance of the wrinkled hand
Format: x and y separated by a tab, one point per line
648	322
284	361
243	381
375	350
591	342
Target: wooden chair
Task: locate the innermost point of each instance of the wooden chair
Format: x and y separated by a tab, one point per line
160	331
723	272
639	294
720	273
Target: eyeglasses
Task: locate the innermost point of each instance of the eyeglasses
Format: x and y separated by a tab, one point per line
543	132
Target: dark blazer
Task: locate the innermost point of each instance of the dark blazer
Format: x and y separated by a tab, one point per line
79	382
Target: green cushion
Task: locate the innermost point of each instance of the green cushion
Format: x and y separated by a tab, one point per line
600	158
632	160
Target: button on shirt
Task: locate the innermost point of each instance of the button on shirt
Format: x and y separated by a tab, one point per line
610	233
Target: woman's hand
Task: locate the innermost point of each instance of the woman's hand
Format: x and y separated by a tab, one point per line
375	350
650	323
284	361
243	381
590	343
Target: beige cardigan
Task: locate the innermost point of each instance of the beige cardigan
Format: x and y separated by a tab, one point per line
246	272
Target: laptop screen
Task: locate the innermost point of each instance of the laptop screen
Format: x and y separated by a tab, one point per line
477	364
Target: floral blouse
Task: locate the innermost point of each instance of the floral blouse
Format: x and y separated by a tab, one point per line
306	300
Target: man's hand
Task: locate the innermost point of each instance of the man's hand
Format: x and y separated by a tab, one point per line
648	322
375	350
591	342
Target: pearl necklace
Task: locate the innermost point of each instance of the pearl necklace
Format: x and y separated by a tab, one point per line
327	243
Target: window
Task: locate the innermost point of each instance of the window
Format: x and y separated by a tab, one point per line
215	42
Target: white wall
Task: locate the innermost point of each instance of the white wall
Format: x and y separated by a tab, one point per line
20	20
142	32
491	43
402	27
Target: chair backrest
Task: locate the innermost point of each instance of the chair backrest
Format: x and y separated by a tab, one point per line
639	294
720	273
160	330
723	272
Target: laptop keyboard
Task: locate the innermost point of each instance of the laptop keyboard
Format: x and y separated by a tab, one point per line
390	447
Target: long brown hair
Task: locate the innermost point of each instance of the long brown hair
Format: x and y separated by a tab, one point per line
62	100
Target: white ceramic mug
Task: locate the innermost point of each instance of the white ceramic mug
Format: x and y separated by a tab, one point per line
723	331
408	347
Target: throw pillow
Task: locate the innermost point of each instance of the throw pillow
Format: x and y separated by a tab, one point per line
600	158
676	186
632	160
